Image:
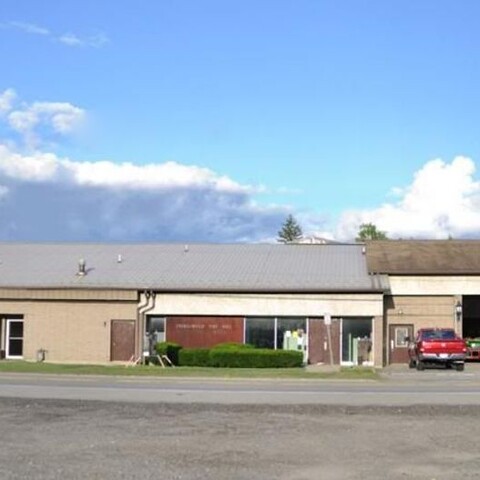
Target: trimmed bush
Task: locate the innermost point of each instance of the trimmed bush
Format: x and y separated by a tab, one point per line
233	345
255	358
194	357
169	349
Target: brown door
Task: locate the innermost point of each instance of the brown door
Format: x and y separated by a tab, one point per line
398	344
318	345
122	340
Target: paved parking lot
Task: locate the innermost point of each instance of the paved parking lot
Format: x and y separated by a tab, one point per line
397	372
58	439
77	439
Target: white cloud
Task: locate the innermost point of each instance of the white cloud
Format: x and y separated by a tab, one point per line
45	197
39	167
94	41
42	167
30	28
69	39
60	118
443	200
6	100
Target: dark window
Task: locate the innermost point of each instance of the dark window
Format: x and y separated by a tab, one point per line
155	324
356	334
16	329
154	332
260	332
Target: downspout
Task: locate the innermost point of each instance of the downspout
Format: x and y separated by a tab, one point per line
142	310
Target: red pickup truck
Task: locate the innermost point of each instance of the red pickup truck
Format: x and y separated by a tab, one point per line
441	346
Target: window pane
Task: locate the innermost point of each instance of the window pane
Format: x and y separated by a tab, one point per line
155	324
154	333
16	329
15	348
260	332
356	338
401	333
291	333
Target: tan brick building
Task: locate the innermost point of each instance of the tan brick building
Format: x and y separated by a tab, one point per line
432	283
101	303
342	304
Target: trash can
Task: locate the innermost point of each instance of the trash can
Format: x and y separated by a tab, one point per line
41	355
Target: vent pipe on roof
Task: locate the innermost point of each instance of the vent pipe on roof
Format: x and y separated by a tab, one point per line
82	270
185	248
119	258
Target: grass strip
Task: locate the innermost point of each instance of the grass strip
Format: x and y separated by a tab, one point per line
344	373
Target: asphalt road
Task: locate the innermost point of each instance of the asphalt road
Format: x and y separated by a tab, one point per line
398	388
408	426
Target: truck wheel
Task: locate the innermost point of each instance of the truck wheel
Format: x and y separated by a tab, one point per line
411	363
420	365
460	367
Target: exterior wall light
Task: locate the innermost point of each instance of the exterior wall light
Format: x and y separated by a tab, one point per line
458	311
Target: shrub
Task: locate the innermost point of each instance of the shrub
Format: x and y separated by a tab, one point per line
255	358
194	357
233	345
169	349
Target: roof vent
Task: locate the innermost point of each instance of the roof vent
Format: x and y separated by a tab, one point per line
82	270
119	258
185	248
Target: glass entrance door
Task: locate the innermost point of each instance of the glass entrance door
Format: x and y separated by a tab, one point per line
14	339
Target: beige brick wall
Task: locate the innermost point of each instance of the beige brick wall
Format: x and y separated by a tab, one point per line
74	331
421	311
378	341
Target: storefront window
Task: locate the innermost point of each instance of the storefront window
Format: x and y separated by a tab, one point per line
291	333
154	332
260	332
281	333
357	341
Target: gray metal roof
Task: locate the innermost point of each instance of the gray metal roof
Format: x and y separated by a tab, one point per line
196	267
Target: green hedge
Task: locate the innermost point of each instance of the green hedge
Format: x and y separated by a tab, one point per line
194	357
255	358
230	355
233	345
169	349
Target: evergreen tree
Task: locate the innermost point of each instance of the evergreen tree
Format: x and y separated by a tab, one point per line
290	231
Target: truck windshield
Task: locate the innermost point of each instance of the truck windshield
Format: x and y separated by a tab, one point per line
439	335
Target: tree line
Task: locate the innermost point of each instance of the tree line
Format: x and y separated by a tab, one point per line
292	232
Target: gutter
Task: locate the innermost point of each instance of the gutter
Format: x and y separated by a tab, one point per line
142	310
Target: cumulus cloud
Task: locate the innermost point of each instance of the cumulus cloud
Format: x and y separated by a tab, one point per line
28	119
44	197
443	200
62	117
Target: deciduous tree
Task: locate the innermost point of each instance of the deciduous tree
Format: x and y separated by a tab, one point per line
369	231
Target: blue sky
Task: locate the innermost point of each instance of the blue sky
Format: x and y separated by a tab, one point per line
235	114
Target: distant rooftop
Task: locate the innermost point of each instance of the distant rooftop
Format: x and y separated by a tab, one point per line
424	257
189	268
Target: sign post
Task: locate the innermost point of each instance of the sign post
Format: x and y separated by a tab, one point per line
328	323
